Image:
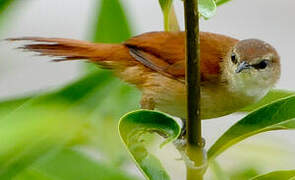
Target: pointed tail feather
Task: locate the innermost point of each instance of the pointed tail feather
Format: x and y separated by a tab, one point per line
68	49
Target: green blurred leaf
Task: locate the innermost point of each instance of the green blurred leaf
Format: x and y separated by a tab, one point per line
73	165
221	2
279	115
95	94
4	4
271	97
90	100
276	175
135	128
25	137
166	6
88	95
112	25
7	9
207	8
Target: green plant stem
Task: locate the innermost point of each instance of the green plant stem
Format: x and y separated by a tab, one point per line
194	149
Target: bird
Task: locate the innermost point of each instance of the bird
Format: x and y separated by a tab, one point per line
234	73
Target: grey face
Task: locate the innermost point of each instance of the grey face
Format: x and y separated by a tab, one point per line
256	63
254	54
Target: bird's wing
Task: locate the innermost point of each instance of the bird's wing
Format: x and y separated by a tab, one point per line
164	52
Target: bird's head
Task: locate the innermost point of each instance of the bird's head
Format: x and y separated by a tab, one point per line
252	67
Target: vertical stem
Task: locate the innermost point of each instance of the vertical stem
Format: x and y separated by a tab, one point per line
194	149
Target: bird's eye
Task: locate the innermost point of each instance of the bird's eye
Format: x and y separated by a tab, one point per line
234	58
262	65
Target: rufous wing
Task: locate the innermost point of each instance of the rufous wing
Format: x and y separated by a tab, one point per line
165	52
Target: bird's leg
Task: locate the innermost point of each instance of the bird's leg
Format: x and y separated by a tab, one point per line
183	129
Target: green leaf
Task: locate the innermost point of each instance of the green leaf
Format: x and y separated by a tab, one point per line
4	5
221	2
281	175
7	8
88	94
71	164
166	6
42	123
271	97
25	137
279	115
207	8
135	128
111	25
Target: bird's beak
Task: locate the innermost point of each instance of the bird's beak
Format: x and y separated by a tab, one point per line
243	65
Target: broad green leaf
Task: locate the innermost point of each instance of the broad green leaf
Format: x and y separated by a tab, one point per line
207	8
71	94
271	97
135	128
96	93
73	165
277	175
279	115
88	95
25	137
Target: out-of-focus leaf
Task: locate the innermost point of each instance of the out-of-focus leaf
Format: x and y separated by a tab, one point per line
170	19
271	97
221	2
173	22
73	94
111	25
95	94
6	10
218	171
276	175
8	106
73	165
276	116
207	8
135	128
4	4
244	173
25	136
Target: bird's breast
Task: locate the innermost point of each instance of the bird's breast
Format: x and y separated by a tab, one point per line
216	100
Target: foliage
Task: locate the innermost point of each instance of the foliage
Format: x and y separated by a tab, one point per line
133	128
282	175
82	102
279	115
43	135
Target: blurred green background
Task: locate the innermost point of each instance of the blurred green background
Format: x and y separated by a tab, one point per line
59	120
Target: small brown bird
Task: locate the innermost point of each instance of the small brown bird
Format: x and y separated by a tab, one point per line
234	73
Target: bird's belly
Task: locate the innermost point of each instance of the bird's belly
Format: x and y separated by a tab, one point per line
215	102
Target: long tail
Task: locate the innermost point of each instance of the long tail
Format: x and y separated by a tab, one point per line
68	49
